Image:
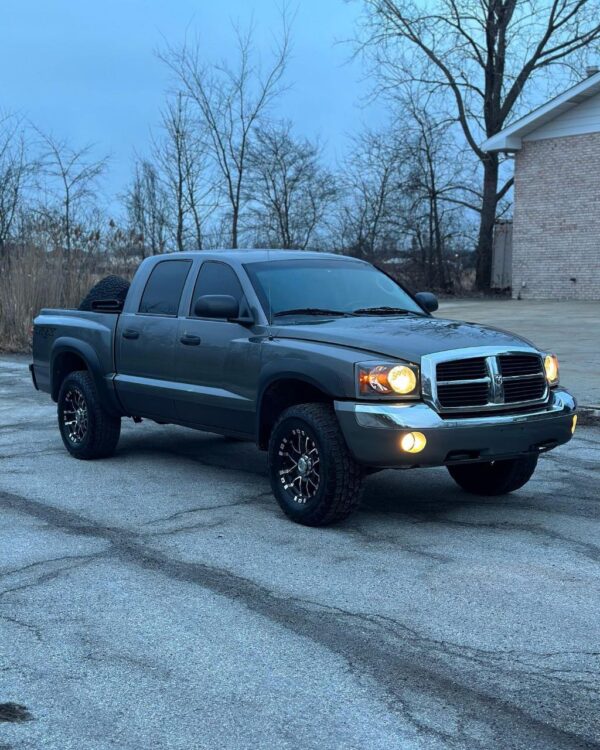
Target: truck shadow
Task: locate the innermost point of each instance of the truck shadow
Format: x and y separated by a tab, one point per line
419	493
425	493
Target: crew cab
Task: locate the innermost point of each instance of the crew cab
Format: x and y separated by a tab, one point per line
323	360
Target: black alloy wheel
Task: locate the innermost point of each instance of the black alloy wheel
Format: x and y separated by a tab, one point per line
314	477
298	465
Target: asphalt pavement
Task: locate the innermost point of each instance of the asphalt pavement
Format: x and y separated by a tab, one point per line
159	599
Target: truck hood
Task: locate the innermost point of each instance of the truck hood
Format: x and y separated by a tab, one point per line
406	338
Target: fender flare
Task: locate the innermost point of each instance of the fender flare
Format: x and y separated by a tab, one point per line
319	376
67	344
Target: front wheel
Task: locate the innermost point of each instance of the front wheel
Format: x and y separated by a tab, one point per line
314	478
87	429
494	477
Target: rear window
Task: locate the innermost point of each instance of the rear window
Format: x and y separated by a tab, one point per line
164	288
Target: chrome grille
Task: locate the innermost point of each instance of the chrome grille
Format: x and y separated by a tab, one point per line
467	394
520	364
499	380
516	391
462	369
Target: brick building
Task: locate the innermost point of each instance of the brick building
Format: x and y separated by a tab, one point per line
556	225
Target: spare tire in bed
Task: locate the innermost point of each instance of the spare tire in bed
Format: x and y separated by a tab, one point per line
109	288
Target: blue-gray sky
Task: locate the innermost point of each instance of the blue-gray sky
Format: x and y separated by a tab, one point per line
88	70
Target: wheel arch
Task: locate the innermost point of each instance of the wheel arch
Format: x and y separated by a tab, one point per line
283	390
71	355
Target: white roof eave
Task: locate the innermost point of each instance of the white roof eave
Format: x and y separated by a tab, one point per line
511	138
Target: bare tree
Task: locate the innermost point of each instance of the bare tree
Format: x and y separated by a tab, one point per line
181	156
289	191
71	178
438	184
374	202
146	203
230	101
483	53
15	169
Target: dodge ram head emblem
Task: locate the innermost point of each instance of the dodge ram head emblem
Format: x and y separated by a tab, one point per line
498	379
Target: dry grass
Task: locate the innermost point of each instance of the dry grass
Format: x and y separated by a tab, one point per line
30	279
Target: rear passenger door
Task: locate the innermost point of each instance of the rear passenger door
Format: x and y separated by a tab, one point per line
220	366
145	345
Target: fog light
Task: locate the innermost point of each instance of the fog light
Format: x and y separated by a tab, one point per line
413	442
574	424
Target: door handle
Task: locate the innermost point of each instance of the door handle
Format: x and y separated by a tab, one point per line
189	340
131	333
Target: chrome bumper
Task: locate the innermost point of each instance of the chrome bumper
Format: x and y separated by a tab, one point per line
373	432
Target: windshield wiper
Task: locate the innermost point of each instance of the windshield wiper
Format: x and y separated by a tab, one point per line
311	311
382	311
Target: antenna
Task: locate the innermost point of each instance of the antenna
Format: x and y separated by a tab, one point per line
270	311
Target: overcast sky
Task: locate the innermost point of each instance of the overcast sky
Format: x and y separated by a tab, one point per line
88	70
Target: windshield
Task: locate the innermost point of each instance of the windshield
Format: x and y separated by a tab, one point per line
340	286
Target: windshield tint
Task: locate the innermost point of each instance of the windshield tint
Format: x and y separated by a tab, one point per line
342	285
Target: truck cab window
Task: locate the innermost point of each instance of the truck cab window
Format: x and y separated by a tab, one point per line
165	285
217	278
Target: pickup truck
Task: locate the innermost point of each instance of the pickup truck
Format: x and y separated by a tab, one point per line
323	360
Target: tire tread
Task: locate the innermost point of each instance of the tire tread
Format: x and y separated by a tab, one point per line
344	481
110	287
494	478
106	429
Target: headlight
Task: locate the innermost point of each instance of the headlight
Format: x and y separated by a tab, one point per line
551	368
388	380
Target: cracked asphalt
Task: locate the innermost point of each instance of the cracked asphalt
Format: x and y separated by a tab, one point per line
159	599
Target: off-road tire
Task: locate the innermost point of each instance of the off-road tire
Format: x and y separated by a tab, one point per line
109	288
341	477
103	429
494	477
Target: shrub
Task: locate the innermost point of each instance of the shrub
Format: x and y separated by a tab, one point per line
32	278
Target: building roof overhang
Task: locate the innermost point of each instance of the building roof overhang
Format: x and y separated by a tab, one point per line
511	138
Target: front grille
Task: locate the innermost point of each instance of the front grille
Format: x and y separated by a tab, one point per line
524	390
519	364
489	383
454	387
469	394
462	369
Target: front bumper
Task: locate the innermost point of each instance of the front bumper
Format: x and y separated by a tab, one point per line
373	432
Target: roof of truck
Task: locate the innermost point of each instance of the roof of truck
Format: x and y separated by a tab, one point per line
258	255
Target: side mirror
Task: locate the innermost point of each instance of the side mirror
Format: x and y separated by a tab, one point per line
427	300
221	306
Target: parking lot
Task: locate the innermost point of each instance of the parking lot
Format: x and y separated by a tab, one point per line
159	599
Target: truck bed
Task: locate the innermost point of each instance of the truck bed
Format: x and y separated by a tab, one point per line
56	329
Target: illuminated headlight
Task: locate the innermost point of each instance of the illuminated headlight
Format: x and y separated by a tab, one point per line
388	380
551	369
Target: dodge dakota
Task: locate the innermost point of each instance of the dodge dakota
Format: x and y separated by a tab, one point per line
330	365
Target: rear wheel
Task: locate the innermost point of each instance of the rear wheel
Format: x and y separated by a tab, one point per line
87	429
494	477
314	478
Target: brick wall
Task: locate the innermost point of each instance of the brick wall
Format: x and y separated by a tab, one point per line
556	231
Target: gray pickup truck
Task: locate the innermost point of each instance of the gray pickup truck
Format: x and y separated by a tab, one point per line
325	361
